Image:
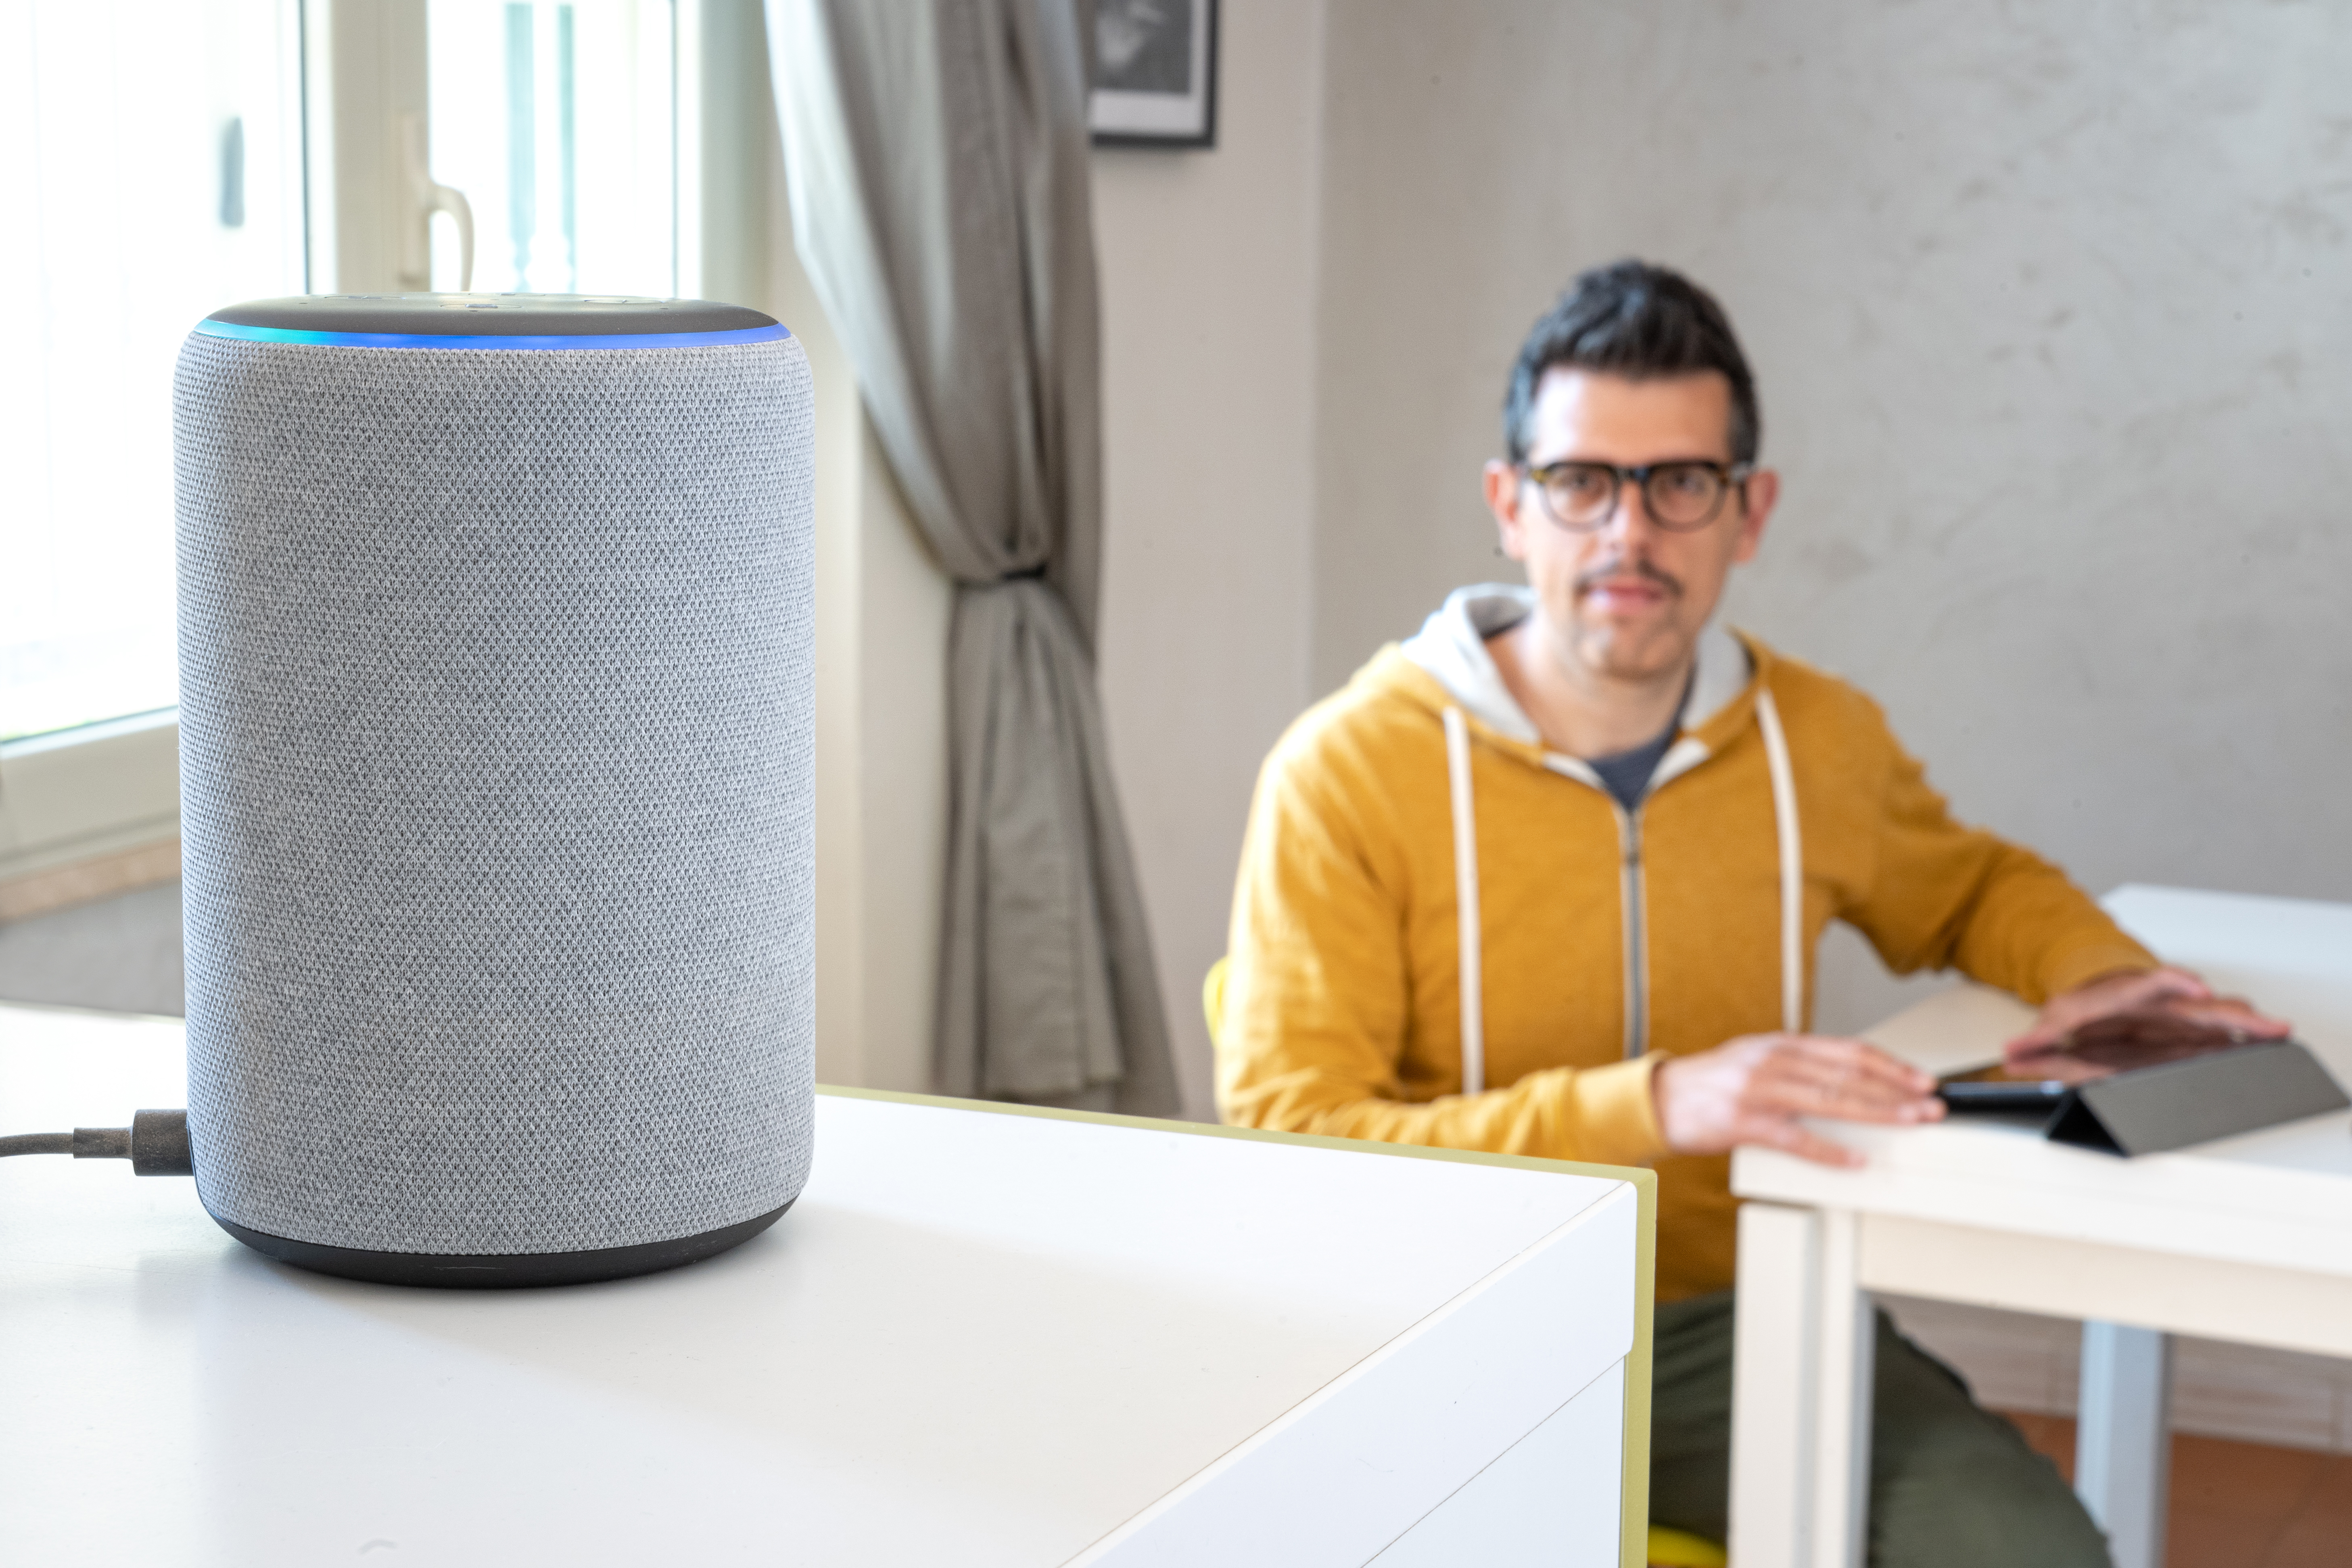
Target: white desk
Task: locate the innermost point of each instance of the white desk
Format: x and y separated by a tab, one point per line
979	1338
2248	1238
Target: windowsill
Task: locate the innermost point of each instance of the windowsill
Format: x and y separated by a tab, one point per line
88	811
85	734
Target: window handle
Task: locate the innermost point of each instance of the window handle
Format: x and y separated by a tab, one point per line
422	196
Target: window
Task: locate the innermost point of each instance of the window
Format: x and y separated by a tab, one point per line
556	121
161	177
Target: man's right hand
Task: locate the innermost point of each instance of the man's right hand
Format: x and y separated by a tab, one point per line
1753	1089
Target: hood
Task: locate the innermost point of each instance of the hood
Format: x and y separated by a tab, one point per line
1451	646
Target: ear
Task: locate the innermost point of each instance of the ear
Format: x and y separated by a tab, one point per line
1763	493
1503	493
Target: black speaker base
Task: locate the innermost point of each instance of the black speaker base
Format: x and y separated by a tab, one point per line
495	1271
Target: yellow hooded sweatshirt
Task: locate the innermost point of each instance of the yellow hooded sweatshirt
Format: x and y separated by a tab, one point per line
1606	940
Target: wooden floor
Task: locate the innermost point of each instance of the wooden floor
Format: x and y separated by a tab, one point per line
2239	1505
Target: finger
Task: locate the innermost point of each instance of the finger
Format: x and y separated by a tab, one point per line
2173	1022
2163	989
2044	1036
1850	1101
1858	1058
2067	1016
2140	990
1879	1113
2047	1034
2181	982
2099	999
1867	1072
2234	1013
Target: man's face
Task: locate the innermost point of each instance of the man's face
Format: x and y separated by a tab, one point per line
1627	599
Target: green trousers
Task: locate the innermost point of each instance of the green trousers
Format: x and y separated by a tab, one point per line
1951	1483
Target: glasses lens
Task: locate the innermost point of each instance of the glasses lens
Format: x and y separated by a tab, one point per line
1683	495
1580	494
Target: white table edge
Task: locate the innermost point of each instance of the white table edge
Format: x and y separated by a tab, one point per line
1636	1502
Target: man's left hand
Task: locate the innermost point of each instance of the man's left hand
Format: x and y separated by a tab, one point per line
2167	992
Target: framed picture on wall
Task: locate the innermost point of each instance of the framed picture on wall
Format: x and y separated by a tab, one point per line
1155	76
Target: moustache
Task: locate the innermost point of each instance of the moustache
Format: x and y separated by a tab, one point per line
1645	570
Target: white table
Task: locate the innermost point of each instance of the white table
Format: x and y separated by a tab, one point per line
979	1338
2248	1238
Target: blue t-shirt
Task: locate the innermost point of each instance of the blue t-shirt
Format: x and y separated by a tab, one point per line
1627	774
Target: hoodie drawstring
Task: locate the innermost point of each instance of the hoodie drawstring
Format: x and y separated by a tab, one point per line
1792	862
1465	882
1466	901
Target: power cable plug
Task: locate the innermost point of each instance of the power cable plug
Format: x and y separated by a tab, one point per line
156	1143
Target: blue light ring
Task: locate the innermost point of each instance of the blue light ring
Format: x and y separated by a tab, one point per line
212	329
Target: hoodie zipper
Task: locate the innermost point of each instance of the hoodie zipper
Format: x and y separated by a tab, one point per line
1637	974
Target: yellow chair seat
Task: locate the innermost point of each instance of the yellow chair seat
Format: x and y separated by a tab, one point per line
1213	998
1680	1549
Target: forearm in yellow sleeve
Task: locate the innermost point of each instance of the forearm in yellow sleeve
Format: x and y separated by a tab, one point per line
1604	1115
1952	896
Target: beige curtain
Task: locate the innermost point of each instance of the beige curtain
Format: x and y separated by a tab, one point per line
936	153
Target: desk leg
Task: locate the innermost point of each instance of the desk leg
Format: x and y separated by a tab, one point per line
2122	1442
1801	1367
1844	1368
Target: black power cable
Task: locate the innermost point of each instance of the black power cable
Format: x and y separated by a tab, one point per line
37	1143
156	1143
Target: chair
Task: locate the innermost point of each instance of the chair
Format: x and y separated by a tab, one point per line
1680	1549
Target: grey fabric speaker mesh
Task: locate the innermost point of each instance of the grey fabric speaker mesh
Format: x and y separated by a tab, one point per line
497	722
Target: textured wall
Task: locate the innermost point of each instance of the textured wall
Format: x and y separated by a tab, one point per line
2049	310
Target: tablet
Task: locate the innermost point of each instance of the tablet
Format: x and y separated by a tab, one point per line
2037	1081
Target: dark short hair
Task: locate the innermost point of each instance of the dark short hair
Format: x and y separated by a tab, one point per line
1639	320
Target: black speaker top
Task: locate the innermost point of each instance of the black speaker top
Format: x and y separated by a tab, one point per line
397	320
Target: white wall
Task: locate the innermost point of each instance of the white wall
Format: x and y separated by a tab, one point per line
2048	308
1208	276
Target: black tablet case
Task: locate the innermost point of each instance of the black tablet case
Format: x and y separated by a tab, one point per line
2195	1101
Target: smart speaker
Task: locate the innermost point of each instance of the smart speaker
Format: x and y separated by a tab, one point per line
495	733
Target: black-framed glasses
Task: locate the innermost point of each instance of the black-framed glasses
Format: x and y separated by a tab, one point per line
1684	495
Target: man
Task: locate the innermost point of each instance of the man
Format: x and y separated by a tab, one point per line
1610	972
